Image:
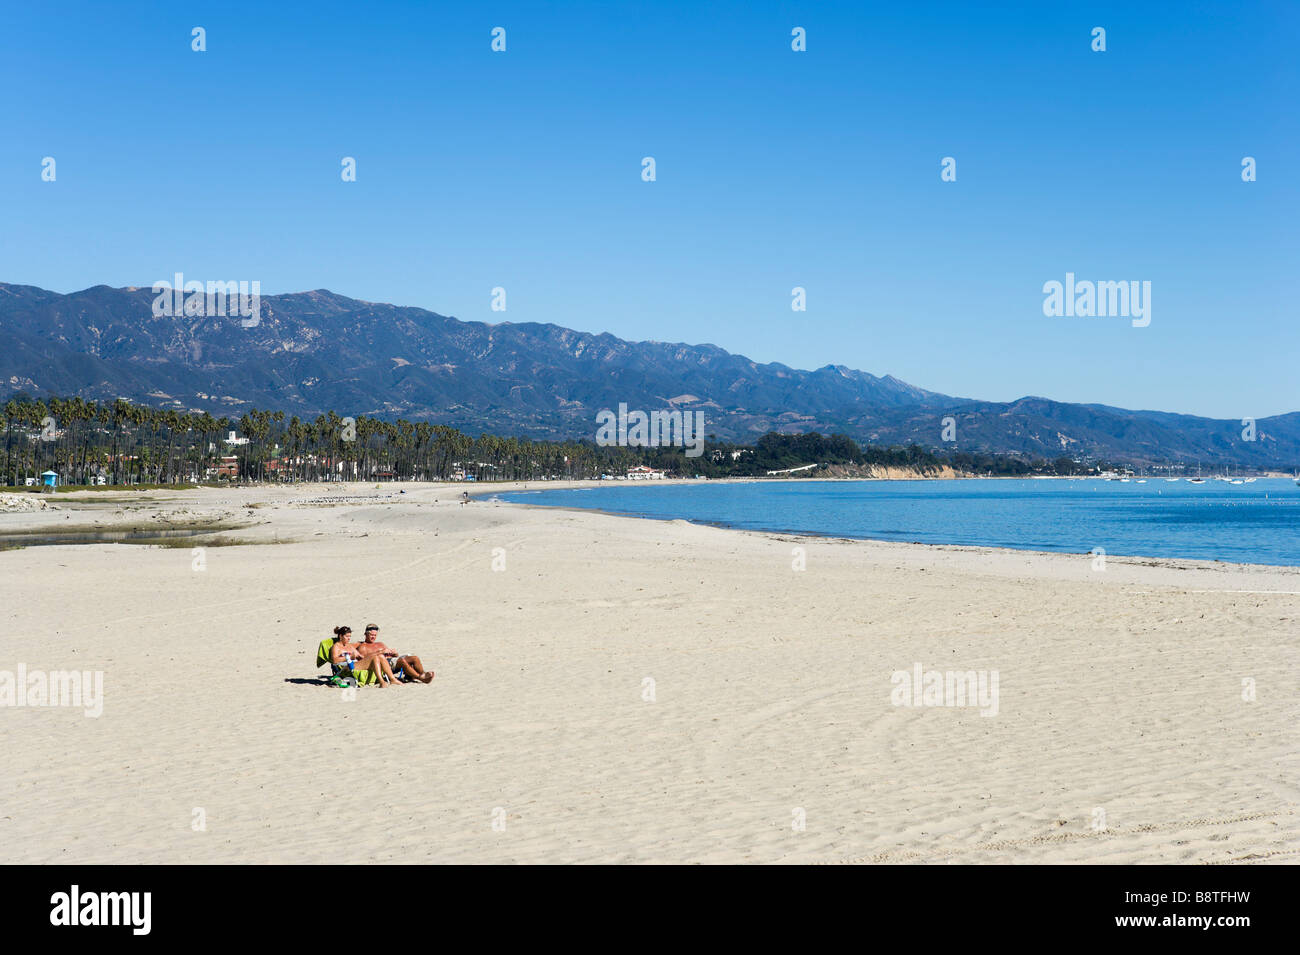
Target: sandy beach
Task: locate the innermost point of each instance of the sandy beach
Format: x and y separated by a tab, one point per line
619	690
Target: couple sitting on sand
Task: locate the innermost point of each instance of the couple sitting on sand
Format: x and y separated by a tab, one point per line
375	657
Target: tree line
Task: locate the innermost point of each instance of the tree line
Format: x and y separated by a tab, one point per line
121	442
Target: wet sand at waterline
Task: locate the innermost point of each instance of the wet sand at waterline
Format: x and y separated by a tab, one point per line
628	690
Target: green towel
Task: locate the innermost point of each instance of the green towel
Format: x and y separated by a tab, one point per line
364	677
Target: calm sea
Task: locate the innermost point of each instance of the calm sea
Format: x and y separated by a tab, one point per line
1246	523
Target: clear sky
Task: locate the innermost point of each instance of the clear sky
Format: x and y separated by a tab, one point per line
775	169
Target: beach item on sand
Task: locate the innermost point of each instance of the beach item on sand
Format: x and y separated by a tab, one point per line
358	677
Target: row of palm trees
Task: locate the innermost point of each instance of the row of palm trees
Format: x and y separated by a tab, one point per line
120	442
81	439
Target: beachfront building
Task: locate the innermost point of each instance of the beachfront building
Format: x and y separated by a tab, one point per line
49	479
228	468
643	473
469	470
232	439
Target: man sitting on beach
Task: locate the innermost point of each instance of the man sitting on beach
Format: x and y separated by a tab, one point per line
410	665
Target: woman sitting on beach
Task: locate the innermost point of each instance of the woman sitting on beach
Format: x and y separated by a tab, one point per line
409	664
344	650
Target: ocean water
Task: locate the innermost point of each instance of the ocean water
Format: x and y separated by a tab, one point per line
1247	523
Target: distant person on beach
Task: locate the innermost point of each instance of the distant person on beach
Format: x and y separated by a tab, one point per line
376	663
409	664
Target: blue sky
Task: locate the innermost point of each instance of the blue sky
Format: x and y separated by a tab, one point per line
775	169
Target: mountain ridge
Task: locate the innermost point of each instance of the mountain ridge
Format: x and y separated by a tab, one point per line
320	350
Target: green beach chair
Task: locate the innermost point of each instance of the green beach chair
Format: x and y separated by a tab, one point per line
340	674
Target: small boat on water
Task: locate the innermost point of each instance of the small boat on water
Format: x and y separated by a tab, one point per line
1196	480
1173	480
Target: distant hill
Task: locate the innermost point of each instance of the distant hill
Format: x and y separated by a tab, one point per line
318	351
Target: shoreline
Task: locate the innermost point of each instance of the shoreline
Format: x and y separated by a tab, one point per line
350	491
1180	562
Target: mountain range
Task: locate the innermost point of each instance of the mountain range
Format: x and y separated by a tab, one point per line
316	351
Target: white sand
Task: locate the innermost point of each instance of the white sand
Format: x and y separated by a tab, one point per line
1120	690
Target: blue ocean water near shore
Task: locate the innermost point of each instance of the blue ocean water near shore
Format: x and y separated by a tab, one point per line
1243	523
